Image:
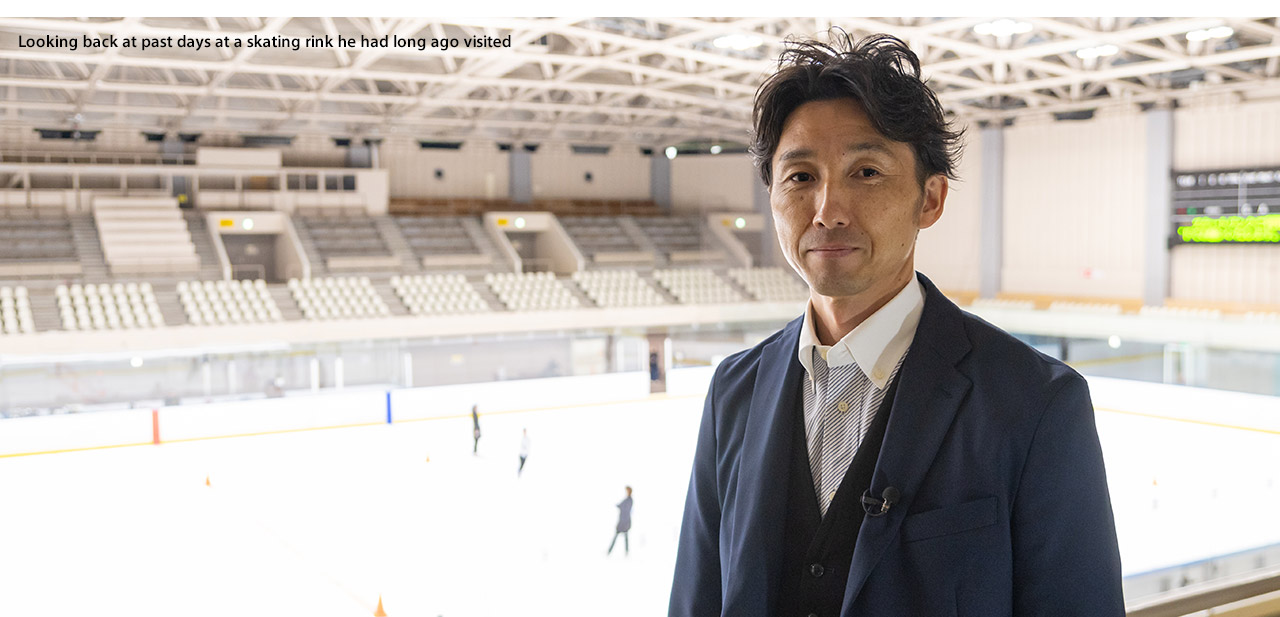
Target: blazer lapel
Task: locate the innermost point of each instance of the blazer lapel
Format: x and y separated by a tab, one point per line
760	508
929	393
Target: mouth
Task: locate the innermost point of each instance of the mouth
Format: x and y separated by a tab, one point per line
832	251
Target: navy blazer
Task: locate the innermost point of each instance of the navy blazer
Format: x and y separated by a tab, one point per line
1004	508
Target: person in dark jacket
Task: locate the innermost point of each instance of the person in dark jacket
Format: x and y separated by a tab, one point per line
828	482
624	525
475	420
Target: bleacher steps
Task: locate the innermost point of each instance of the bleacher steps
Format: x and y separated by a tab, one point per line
482	241
170	306
210	267
289	310
641	239
743	291
388	295
318	269
578	292
93	264
398	246
44	309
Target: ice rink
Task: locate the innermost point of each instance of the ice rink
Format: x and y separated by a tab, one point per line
325	522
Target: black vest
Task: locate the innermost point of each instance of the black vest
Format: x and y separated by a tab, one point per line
817	550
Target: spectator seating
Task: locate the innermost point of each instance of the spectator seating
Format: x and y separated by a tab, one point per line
610	288
103	306
681	239
438	294
441	241
340	297
531	291
602	240
994	303
349	242
1092	308
144	234
227	302
770	284
15	311
36	242
697	286
1179	312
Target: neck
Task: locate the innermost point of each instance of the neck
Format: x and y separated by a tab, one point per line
835	317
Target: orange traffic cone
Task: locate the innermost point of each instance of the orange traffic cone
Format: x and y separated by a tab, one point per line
379	612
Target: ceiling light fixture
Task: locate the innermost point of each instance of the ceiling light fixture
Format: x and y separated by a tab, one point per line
1097	52
1221	32
1003	27
740	42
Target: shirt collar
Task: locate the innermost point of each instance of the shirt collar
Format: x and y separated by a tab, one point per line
876	344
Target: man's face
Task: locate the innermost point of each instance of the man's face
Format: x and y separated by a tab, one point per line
846	201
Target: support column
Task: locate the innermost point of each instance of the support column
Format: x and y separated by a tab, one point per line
769	247
660	180
1156	215
521	177
991	232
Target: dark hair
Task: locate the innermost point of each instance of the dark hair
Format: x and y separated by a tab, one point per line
881	73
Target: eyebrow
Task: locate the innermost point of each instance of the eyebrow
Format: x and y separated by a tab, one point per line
864	146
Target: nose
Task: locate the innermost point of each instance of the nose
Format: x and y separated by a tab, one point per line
832	208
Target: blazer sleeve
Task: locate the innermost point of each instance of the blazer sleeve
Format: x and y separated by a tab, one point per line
696	591
1066	560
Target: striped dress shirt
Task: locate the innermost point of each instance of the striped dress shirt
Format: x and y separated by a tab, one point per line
845	384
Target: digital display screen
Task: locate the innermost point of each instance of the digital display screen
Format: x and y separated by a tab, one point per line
1216	207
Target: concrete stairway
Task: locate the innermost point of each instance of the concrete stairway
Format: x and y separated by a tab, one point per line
289	310
318	268
388	295
642	240
210	266
486	293
578	292
93	264
397	244
170	306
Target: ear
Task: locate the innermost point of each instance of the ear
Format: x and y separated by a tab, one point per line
935	195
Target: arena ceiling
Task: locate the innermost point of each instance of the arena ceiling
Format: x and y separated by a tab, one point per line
648	81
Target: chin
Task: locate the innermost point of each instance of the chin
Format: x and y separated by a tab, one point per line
835	288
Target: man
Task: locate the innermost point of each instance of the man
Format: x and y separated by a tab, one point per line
885	454
624	525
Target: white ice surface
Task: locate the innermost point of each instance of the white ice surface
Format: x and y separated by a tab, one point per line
322	523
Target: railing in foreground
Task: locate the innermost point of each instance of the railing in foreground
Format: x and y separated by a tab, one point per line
1253	594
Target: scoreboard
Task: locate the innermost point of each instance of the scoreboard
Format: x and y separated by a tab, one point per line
1235	207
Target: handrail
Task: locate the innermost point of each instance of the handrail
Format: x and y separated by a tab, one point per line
96	157
1210	594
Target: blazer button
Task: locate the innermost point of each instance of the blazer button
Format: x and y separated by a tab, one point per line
816	570
813	615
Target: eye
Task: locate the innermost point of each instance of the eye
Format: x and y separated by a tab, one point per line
802	176
868	172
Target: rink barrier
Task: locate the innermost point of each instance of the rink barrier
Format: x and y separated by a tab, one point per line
350	408
353	408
